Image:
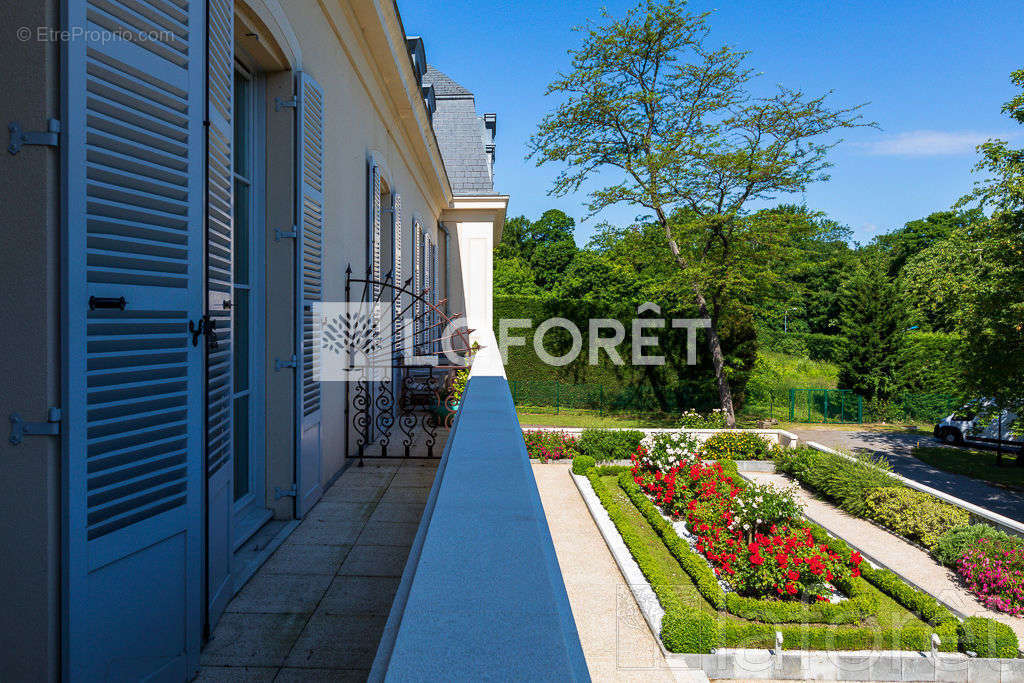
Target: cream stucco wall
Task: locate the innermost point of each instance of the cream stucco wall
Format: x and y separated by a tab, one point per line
361	122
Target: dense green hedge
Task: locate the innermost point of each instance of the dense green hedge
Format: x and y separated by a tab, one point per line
986	637
609	444
914	515
864	490
684	628
669	388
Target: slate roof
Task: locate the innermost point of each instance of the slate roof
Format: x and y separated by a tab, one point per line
461	135
444	86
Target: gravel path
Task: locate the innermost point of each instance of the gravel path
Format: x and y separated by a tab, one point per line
896	448
898	555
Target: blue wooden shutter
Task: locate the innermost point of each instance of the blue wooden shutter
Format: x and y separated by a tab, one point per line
133	171
219	289
417	284
309	288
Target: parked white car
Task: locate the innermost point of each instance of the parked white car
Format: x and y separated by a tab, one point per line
981	422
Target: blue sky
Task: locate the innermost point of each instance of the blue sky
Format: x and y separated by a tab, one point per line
935	73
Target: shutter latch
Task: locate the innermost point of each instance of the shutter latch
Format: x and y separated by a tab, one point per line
21	429
282	102
50	137
280	493
280	234
282	364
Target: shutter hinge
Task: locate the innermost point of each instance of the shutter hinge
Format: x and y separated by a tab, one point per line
282	102
21	429
280	234
280	493
50	137
282	364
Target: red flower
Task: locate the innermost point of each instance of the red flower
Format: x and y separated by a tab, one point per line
855	572
781	559
756	559
793	576
791	588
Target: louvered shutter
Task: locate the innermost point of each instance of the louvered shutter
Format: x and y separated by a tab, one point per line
427	310
435	319
375	232
309	288
219	290
417	284
397	281
133	171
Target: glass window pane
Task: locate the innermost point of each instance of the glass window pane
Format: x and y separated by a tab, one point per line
241	339
241	455
243	127
243	231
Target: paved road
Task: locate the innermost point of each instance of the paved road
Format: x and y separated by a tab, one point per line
896	448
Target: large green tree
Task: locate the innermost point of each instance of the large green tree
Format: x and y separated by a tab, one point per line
991	313
677	124
873	325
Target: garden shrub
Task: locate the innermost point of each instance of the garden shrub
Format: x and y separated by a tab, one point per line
954	543
994	572
689	630
914	515
609	444
550	445
582	463
986	637
691	419
663	450
843	481
736	446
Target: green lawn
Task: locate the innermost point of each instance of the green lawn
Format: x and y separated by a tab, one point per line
567	417
974	464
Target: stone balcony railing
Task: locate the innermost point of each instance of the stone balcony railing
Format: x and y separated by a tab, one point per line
482	595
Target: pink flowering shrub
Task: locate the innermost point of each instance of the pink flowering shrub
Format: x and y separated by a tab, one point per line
994	572
548	445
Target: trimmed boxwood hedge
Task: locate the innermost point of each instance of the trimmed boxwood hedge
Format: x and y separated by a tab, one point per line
689	629
683	628
986	637
582	463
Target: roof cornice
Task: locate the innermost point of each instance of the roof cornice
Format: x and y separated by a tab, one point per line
385	41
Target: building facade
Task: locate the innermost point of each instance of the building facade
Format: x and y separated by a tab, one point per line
205	172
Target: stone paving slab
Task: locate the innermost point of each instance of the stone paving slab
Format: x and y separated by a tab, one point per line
316	608
896	554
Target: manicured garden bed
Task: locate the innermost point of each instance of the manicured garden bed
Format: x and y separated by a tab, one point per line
747	566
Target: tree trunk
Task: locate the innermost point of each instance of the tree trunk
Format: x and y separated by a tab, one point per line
714	343
718	362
